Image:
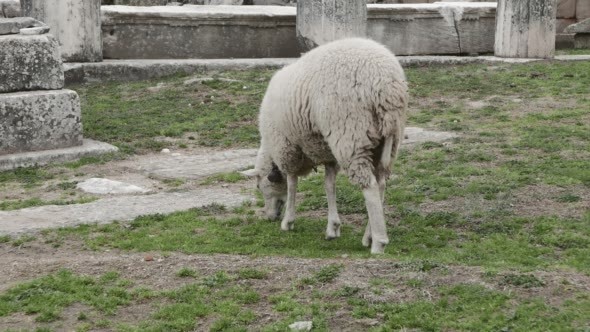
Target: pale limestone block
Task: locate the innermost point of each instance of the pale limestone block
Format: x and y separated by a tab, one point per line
75	23
30	63
566	8
322	21
10	8
583	9
525	28
39	120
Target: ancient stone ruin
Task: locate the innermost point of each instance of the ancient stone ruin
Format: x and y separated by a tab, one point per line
75	23
581	32
36	112
319	22
525	28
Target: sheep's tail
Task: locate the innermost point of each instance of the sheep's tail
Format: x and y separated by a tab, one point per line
392	111
387	152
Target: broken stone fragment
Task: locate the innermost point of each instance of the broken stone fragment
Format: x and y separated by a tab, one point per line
105	186
34	31
14	25
580	27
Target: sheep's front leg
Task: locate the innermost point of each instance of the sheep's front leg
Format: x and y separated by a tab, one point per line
374	205
289	220
333	228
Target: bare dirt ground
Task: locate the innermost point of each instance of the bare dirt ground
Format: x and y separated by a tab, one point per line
36	259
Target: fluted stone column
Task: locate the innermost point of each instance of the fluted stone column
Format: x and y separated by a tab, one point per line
525	28
75	24
322	21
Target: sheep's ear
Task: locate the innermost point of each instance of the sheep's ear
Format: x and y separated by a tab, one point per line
250	173
275	175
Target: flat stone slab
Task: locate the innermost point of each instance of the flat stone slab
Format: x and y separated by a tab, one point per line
30	62
140	69
39	120
87	149
14	25
102	186
416	135
118	208
198	166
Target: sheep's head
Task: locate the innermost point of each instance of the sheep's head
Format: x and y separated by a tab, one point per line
273	187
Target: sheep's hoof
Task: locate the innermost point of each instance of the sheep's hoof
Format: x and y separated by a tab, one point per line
287	225
378	247
367	241
333	232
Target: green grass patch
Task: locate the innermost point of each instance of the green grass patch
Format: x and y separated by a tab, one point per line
132	115
46	297
8	205
232	177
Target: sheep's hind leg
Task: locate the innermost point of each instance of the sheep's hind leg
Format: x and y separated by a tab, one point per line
288	222
367	239
333	228
376	217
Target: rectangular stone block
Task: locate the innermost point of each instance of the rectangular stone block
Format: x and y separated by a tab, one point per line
31	62
199	32
566	8
74	23
583	9
39	120
438	28
10	8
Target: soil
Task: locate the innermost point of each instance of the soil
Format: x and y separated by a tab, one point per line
36	259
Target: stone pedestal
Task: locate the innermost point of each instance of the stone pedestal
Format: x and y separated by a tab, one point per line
39	120
322	21
30	63
525	28
75	24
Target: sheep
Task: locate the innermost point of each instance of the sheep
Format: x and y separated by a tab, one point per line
341	105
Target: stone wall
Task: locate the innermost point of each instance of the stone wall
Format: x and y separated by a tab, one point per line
262	32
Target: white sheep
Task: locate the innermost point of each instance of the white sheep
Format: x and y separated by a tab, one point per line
341	105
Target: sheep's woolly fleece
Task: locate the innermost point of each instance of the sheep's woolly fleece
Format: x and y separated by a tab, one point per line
334	105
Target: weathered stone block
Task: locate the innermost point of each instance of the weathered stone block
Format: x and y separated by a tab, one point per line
581	33
202	32
322	21
525	28
583	9
30	63
74	23
566	8
439	28
39	120
14	25
10	8
563	23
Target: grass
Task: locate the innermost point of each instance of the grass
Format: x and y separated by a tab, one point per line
8	205
132	115
490	231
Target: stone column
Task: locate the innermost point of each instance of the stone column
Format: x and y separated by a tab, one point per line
525	28
322	21
75	24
